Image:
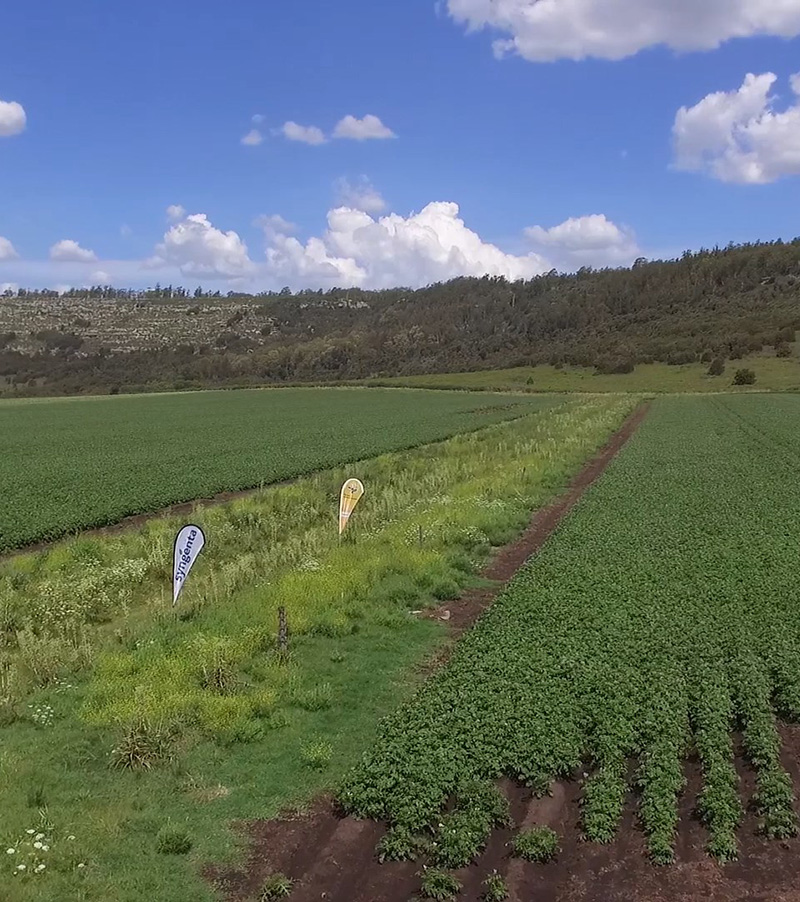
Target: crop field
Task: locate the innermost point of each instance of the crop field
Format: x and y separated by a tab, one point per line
661	620
68	464
133	734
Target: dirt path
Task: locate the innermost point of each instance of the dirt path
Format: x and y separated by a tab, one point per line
333	858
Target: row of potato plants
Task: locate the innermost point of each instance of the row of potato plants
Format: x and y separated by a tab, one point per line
660	620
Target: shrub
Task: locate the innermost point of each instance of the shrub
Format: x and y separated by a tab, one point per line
143	746
783	350
316	755
744	377
495	889
538	844
173	841
439	885
717	367
612	365
278	886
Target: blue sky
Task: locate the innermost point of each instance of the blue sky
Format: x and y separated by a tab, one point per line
131	109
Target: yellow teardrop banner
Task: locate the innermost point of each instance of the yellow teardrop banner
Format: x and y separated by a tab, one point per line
352	491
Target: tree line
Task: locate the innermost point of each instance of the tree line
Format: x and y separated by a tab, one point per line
720	303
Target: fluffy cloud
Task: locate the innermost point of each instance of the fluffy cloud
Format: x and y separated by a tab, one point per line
69	251
253	138
197	249
274	225
12	118
586	241
545	30
429	246
306	134
366	129
175	212
738	136
99	277
361	195
7	251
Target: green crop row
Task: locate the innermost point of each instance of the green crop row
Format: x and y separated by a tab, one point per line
662	617
72	463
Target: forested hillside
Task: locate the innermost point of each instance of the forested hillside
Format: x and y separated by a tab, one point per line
718	303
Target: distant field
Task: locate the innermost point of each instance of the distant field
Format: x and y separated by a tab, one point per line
73	463
772	374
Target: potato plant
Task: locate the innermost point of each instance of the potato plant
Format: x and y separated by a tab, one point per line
661	618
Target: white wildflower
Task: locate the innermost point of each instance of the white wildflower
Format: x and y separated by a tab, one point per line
45	848
70	837
10	851
30	832
39	836
81	865
20	867
37	845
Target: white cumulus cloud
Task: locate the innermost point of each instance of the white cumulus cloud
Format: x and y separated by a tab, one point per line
200	250
366	129
360	195
586	241
175	212
738	136
253	138
545	30
69	251
7	250
12	118
99	277
429	246
274	225
306	134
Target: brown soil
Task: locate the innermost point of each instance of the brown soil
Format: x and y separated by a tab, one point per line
333	858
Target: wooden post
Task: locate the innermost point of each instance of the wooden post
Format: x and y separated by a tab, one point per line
283	634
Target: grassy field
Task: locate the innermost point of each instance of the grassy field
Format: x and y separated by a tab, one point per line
661	618
134	733
67	464
772	374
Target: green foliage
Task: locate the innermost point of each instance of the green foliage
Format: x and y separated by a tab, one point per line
657	619
463	833
131	455
278	886
537	844
438	885
399	844
495	889
717	367
143	746
173	841
317	755
744	376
